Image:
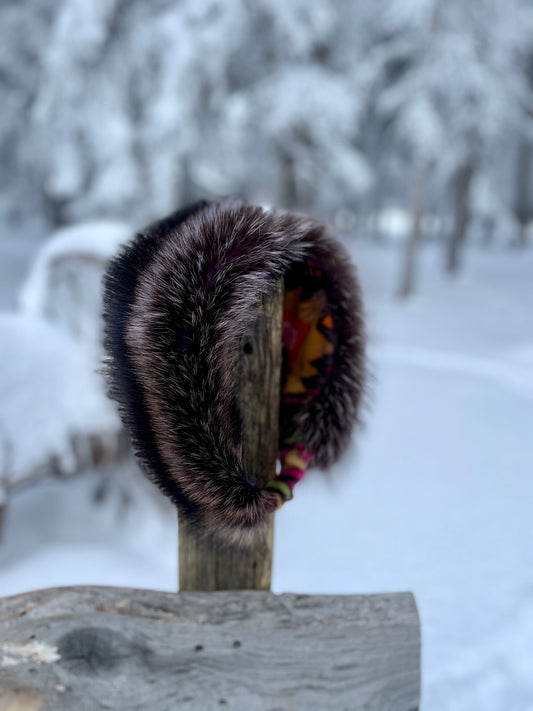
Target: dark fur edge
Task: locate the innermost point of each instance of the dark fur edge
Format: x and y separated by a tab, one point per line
119	284
192	458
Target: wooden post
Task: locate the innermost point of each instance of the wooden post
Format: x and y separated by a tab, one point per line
204	562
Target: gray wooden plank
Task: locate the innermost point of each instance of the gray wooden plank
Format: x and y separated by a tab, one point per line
120	648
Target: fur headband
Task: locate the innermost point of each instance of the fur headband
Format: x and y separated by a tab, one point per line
177	299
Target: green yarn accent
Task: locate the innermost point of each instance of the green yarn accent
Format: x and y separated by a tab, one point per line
288	441
281	488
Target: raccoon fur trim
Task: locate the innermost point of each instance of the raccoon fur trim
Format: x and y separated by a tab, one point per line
177	299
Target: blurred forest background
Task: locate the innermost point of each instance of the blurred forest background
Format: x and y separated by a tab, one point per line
405	124
410	116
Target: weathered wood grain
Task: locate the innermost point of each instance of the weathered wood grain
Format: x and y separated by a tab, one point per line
90	648
204	562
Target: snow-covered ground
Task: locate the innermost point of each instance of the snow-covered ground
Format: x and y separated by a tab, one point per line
436	496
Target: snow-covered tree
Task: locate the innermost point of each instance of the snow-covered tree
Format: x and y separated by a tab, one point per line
446	87
128	109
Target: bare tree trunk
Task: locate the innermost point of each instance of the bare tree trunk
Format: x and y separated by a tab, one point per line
187	192
287	187
462	182
376	206
408	274
5	461
489	226
55	210
523	203
419	197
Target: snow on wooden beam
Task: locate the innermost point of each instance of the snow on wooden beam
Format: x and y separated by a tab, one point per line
122	648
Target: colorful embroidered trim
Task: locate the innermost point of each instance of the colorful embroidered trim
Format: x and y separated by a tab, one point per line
294	463
309	342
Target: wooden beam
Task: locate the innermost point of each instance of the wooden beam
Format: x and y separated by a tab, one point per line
121	648
204	562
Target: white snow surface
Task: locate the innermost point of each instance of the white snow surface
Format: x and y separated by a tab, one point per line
435	496
50	393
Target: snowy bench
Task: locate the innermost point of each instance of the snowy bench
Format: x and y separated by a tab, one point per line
56	419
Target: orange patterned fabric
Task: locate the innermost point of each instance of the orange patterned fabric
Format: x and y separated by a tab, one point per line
309	341
308	338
